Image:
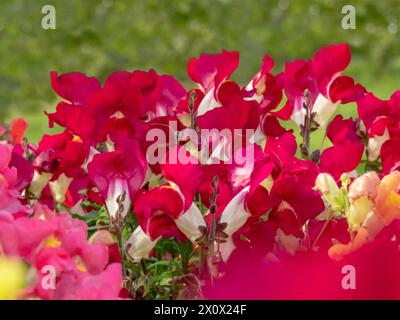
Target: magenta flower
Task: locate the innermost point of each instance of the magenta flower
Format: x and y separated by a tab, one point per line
118	175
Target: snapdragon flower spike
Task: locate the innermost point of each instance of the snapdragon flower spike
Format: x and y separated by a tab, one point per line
120	97
126	97
118	175
162	209
273	201
168	210
223	96
322	78
244	114
161	214
259	194
235	213
280	184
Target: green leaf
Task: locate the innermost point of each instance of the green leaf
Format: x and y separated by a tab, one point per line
165	263
91	228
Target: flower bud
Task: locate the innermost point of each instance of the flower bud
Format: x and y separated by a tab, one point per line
326	184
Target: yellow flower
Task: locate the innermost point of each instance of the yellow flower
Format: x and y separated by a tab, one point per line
358	212
387	201
52	242
326	184
12	278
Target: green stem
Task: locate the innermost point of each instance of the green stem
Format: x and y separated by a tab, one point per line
306	130
202	262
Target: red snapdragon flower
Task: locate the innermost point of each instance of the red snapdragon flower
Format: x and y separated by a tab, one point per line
60	153
322	77
344	136
118	175
381	120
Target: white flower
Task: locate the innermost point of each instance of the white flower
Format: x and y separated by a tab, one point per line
234	214
59	187
39	181
190	221
139	245
324	109
118	192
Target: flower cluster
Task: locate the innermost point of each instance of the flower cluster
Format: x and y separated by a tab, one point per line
91	205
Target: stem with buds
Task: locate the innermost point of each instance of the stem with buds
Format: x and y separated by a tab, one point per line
306	127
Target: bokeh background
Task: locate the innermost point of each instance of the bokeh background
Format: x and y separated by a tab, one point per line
100	36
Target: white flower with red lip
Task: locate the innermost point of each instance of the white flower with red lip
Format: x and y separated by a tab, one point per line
210	71
168	210
321	78
118	175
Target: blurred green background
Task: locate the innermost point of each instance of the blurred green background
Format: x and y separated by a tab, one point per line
100	36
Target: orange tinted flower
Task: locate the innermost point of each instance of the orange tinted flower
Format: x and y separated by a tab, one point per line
387	201
17	130
338	251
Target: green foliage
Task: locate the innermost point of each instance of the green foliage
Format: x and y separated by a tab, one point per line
168	275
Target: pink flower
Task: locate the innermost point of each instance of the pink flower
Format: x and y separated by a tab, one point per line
10	182
73	281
